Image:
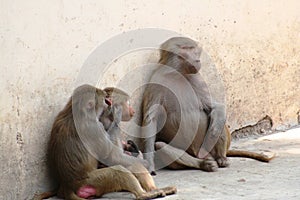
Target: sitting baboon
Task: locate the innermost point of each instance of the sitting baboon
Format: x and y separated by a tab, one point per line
194	133
119	110
78	142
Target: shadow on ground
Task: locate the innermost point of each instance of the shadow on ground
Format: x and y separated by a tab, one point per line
245	178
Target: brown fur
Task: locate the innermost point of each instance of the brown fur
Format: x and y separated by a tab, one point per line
76	144
194	133
121	111
117	112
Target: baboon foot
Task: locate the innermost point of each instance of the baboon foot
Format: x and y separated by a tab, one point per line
151	195
209	165
169	190
222	162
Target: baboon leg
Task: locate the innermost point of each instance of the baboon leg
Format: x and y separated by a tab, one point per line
179	159
147	182
160	192
143	176
220	149
113	179
117	178
169	190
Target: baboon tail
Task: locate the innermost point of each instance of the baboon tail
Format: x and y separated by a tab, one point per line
248	154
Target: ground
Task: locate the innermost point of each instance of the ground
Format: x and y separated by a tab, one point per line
245	178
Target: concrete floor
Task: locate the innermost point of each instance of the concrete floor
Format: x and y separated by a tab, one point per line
245	178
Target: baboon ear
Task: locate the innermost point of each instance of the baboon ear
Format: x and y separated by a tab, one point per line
90	105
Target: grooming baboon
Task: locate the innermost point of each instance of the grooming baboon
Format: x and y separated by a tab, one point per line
78	142
194	133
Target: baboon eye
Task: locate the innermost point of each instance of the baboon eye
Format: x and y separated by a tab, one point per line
186	47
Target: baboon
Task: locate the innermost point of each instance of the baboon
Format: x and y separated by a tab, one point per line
120	110
78	142
194	133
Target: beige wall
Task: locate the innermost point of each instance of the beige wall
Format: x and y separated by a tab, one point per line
255	46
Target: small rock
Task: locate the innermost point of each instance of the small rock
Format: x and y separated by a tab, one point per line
242	180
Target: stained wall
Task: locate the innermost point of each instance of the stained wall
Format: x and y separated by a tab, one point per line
254	45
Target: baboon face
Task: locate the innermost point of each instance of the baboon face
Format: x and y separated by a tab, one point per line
119	98
127	111
182	54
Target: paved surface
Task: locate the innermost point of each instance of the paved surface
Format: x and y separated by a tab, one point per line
245	178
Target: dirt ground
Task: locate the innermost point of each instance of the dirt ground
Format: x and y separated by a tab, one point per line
245	178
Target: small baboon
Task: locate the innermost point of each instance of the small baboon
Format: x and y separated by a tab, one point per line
120	110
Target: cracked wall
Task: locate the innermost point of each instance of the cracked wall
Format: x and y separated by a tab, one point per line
255	46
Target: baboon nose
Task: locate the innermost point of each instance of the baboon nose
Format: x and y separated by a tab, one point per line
197	60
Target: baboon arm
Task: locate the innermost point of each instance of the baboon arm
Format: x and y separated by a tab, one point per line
149	136
119	158
114	136
217	120
217	117
96	141
99	145
114	129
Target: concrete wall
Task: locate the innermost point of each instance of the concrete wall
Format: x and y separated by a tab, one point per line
255	46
